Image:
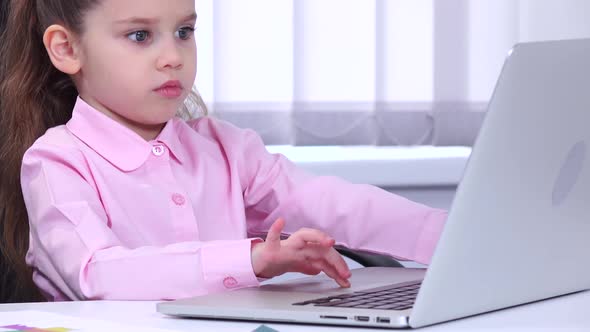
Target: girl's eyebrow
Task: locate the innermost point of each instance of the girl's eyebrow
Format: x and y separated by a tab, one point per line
147	20
191	17
138	20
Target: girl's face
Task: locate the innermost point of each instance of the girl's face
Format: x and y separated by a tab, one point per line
138	60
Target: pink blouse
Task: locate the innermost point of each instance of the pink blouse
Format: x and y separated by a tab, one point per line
115	217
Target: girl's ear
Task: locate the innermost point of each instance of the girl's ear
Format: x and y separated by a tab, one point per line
62	49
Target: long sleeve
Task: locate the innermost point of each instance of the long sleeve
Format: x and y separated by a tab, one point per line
76	255
358	216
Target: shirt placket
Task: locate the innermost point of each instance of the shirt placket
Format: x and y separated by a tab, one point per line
181	210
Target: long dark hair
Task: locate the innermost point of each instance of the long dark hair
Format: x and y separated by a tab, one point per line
34	97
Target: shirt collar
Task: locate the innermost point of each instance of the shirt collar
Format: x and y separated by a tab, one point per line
116	143
170	136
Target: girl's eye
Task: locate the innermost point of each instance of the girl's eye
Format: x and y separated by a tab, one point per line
139	36
185	33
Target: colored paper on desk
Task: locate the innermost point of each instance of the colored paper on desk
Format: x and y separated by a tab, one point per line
264	328
39	321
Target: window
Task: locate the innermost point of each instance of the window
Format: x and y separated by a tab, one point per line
366	72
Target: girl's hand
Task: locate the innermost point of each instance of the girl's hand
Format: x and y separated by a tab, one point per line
307	251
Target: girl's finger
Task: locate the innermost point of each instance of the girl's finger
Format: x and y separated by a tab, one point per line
314	236
322	258
336	260
331	272
312	252
274	233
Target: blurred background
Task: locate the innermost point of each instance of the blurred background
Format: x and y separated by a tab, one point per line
387	92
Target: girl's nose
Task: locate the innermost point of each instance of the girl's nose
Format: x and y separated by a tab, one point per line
170	56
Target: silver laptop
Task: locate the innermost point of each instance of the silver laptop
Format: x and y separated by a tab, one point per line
518	230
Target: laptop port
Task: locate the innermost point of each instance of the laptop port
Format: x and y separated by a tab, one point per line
362	318
333	317
385	320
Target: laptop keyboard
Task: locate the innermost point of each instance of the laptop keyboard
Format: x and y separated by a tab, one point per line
391	297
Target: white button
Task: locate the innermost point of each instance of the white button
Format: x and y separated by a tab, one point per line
158	150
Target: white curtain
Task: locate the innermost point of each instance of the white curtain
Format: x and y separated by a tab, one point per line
383	72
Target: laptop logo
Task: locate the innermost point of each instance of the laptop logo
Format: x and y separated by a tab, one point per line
569	173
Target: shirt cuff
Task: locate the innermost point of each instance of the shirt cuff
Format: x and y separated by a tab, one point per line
227	265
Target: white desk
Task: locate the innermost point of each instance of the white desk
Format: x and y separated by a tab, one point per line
568	313
383	166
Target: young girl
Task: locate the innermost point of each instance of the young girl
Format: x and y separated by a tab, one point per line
126	195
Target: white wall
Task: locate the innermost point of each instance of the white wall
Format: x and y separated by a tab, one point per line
554	19
440	197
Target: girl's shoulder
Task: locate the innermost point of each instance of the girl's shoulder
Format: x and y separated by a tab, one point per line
56	145
218	130
57	137
206	125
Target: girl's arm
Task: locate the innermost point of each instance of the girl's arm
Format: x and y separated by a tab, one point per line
75	254
357	216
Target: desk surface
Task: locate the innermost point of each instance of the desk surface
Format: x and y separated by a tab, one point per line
567	313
